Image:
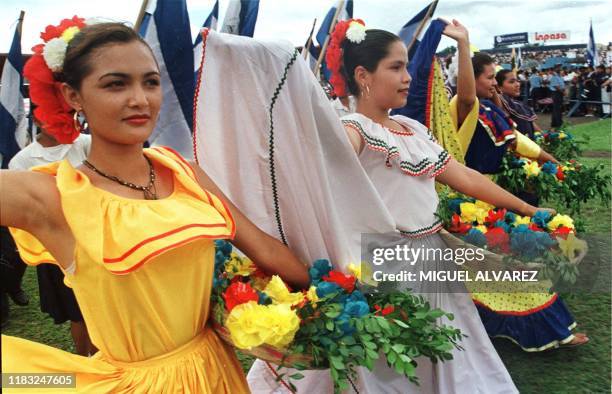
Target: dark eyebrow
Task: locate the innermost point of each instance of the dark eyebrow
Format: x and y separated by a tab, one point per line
123	75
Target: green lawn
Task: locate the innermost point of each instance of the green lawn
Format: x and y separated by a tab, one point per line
584	369
598	134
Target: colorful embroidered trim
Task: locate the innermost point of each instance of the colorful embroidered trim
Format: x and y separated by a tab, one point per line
413	169
434	228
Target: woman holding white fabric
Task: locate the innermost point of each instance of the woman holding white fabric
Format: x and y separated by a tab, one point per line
403	161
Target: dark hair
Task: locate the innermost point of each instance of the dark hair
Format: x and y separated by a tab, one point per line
368	53
479	61
77	61
500	77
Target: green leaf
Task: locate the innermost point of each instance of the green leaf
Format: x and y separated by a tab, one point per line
296	376
398	347
336	362
391	357
400	323
372	354
330	325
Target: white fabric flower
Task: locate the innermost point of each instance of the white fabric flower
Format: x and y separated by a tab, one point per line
356	32
54	53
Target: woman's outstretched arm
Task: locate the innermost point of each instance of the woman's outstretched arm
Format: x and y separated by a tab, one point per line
30	201
474	184
265	251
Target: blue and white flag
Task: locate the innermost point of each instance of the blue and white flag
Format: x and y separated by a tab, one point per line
592	56
409	30
345	13
240	17
210	22
166	29
13	123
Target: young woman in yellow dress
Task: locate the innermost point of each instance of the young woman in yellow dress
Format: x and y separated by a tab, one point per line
133	229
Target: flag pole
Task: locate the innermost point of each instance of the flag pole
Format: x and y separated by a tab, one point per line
309	41
20	22
331	30
430	11
141	13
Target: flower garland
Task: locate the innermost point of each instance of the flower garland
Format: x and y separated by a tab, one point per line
333	323
52	111
543	238
570	183
353	30
561	144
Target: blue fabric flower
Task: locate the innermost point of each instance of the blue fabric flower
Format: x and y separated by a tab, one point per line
528	243
356	295
541	218
517	162
475	237
356	308
327	288
550	168
264	299
510	217
454	205
319	269
502	224
344	322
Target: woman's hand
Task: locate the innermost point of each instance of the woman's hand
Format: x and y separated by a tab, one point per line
456	31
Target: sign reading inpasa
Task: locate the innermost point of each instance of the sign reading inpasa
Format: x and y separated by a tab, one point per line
551	36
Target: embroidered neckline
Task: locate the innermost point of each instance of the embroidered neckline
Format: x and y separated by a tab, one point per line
413	169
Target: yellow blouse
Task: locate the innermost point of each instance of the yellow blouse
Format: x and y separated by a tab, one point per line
143	280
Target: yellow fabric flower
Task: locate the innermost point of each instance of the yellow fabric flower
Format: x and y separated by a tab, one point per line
572	246
468	211
238	265
243	325
282	323
531	168
311	294
560	220
279	293
562	135
483	205
251	325
471	212
69	33
521	220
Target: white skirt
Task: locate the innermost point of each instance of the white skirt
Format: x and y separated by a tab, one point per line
475	369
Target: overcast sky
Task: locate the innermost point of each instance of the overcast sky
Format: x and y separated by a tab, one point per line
292	19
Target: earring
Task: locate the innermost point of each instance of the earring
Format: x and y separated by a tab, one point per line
366	89
78	126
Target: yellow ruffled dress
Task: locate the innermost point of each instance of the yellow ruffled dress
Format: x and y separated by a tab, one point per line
143	280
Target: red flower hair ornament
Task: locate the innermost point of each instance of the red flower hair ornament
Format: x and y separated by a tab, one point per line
53	112
353	30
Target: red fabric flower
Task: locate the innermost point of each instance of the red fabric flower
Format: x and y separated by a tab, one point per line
534	227
498	238
52	32
54	114
560	174
238	293
494	216
562	232
383	311
347	282
387	310
333	56
457	226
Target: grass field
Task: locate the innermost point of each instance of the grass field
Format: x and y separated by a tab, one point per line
584	369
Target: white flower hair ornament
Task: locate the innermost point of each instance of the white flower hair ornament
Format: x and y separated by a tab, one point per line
356	32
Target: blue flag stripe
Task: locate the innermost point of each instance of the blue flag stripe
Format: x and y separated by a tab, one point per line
174	34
